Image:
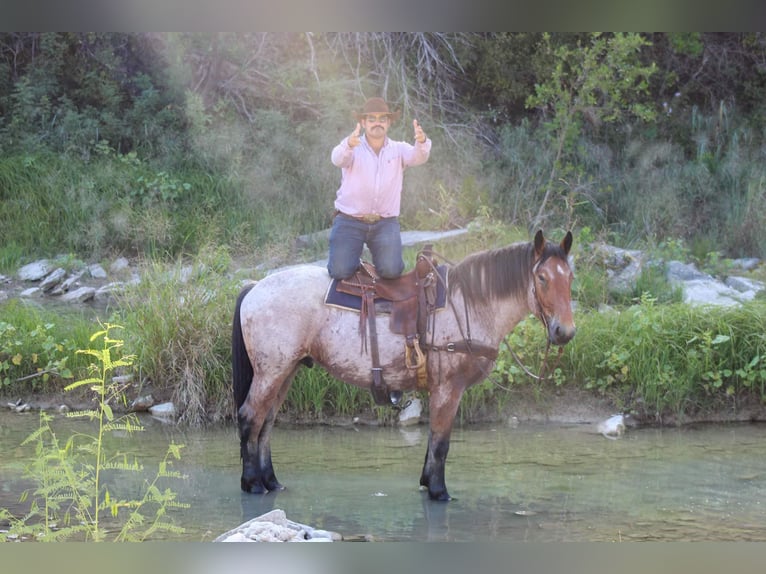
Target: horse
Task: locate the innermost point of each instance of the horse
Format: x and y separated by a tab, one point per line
281	322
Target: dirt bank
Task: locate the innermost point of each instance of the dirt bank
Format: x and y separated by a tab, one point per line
557	406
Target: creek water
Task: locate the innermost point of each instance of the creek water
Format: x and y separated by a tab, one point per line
534	482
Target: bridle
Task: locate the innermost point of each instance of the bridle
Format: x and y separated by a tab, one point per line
540	314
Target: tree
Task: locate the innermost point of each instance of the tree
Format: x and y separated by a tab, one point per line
599	81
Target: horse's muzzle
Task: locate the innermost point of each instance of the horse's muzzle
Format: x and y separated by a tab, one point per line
560	334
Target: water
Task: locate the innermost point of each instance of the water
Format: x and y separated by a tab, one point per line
531	483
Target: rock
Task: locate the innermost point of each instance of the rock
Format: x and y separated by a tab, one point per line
413	237
679	272
710	292
745	285
163	410
411	414
34	271
235	537
613	427
31	292
119	264
142	403
623	266
702	289
96	271
80	295
747	263
52	280
71	281
275	527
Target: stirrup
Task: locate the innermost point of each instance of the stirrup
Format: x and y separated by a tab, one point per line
420	358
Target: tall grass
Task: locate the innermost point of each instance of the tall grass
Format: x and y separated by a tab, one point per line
178	323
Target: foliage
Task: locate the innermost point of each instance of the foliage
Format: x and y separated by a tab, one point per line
672	359
36	347
598	81
71	499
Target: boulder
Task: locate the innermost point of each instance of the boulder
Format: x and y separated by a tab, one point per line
80	295
52	280
411	414
34	271
163	410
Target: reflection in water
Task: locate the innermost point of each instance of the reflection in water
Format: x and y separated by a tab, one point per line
530	483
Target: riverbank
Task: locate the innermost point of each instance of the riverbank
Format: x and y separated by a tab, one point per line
554	405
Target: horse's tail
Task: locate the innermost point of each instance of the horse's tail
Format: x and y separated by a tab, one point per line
241	367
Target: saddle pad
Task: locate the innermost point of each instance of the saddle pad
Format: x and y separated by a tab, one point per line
336	298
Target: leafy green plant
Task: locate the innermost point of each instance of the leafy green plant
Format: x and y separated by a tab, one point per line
32	356
671	358
71	499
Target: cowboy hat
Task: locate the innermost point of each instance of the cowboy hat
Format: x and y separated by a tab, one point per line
377	106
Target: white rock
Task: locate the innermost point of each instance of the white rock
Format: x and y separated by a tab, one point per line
96	271
613	427
163	410
236	537
745	284
34	271
79	295
411	415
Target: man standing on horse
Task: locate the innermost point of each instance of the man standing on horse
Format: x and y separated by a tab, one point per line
368	201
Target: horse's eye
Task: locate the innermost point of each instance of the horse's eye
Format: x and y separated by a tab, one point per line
541	279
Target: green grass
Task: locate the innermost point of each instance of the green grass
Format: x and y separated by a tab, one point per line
674	359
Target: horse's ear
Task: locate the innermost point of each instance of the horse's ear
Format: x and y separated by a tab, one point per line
566	243
539	244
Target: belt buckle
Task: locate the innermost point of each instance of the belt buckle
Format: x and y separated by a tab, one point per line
370	218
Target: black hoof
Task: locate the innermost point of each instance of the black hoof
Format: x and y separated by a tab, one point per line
439	496
274	486
253	488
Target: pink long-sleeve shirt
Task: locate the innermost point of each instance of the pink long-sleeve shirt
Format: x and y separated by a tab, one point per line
372	183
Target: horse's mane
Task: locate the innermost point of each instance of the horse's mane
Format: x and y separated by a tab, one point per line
498	273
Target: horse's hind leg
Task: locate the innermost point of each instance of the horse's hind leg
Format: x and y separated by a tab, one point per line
269	478
256	420
252	474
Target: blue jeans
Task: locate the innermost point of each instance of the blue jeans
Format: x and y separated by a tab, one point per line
347	239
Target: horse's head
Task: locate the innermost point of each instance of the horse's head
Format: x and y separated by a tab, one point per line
552	286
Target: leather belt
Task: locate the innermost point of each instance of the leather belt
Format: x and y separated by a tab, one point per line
368	219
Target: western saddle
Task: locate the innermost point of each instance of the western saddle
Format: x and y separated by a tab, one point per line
412	298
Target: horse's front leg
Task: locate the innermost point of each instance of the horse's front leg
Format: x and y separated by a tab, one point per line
443	406
432	476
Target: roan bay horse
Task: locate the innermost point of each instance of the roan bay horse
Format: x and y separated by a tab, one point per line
281	322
